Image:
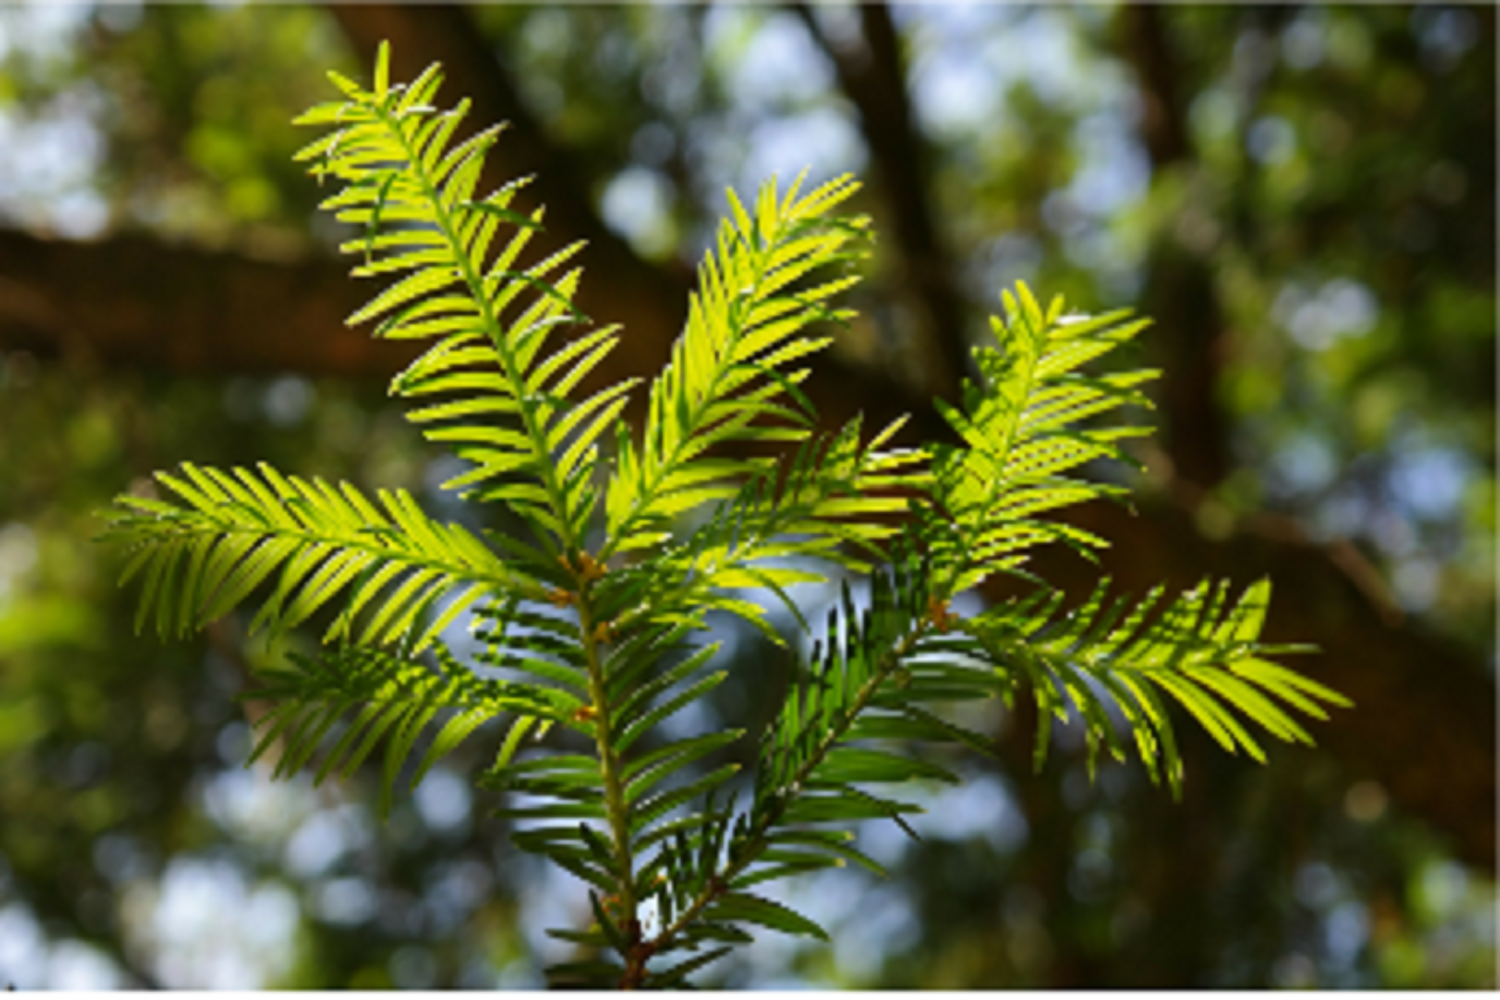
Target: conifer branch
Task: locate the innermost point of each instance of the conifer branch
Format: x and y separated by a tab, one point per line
605	650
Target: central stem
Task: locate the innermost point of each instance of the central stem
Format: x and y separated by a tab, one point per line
609	769
756	838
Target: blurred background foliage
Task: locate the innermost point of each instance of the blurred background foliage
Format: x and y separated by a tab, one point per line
1303	196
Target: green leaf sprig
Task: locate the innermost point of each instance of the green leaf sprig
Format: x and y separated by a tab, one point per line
603	642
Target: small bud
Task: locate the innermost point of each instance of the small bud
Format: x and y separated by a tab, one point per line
588	568
939	615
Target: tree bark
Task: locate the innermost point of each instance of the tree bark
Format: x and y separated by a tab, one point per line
136	301
873	77
1188	332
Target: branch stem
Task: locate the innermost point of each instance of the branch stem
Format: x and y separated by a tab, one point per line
755	841
545	468
609	771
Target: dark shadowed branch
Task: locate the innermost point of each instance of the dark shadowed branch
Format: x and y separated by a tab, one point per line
137	301
1189	333
872	74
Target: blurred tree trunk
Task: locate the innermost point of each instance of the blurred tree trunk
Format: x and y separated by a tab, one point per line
136	301
872	73
1187	334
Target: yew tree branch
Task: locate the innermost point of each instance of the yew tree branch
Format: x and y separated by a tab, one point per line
618	285
1425	723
